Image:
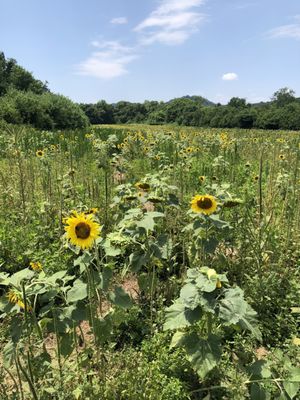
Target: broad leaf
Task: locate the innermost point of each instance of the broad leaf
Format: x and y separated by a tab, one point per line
178	316
189	296
120	298
78	292
203	354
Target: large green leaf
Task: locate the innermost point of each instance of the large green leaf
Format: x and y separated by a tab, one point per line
189	296
78	292
203	354
67	344
257	392
178	316
205	284
148	222
291	388
233	307
138	260
17	278
249	322
120	298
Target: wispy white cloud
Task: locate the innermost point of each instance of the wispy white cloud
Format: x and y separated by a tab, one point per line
119	21
291	31
230	76
109	61
172	22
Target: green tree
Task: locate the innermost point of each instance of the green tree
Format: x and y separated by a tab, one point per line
283	97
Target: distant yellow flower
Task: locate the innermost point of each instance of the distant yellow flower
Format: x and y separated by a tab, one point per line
36	266
82	230
93	210
205	204
281	157
202	179
40	153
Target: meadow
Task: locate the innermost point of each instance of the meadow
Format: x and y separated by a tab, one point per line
149	262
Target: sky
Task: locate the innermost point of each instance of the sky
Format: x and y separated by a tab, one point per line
138	50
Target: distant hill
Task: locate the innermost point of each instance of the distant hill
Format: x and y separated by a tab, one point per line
199	99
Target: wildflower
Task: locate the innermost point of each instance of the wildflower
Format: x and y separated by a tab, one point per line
40	153
205	204
189	149
82	230
36	266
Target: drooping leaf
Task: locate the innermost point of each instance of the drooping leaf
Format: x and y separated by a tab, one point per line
257	392
120	298
66	344
233	307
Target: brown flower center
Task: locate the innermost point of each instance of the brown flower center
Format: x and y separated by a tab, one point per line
204	203
82	230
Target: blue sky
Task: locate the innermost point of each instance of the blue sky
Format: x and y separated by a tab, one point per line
156	49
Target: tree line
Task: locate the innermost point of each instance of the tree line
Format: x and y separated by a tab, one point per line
26	100
281	112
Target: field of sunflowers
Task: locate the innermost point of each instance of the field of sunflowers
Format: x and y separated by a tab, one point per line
149	262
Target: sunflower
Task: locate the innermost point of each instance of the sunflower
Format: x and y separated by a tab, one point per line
142	186
93	210
281	157
36	266
202	179
82	230
205	204
16	298
40	153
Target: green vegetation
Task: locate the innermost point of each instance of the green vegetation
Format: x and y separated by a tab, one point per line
155	262
283	112
26	100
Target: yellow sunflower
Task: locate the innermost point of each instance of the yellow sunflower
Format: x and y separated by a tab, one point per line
205	204
142	186
36	266
82	230
202	179
16	298
40	153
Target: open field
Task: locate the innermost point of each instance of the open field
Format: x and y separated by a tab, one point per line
149	262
